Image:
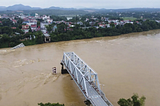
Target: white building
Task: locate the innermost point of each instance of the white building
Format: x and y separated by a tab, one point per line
43	25
49	20
44	17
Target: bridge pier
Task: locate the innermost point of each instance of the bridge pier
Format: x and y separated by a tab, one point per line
87	102
63	71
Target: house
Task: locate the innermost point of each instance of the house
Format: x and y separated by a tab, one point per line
22	16
14	21
106	19
36	15
80	23
44	31
43	25
39	28
25	28
71	26
45	17
108	25
69	18
49	20
54	28
26	19
34	27
17	33
158	21
87	19
91	23
25	22
138	22
47	38
31	23
13	27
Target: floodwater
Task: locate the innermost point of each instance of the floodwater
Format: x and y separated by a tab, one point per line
125	65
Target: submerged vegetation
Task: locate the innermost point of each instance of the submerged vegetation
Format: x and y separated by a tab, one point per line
50	104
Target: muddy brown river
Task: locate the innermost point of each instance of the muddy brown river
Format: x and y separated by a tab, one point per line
125	65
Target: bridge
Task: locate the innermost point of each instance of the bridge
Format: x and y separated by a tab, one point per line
85	78
18	46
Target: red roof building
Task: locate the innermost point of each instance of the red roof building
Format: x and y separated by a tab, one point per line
33	26
14	21
25	26
13	27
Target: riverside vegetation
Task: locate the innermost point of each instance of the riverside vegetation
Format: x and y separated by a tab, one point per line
62	33
134	101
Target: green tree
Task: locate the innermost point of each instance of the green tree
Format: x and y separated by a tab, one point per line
50	27
39	37
62	27
19	20
135	101
38	23
112	25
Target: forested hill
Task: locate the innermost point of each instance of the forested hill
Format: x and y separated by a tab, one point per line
57	12
48	12
129	10
70	11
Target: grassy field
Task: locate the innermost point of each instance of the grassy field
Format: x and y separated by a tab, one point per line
129	18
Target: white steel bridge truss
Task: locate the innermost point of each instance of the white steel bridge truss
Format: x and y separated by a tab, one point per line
85	78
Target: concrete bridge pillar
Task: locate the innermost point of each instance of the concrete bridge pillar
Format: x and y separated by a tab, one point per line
63	71
87	102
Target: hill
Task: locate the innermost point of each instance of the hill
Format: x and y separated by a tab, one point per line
18	7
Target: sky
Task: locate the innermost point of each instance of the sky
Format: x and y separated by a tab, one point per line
108	4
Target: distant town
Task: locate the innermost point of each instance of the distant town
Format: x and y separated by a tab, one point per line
36	28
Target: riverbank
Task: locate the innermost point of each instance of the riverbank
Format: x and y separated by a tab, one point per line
143	32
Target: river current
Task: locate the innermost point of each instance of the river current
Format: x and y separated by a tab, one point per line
125	65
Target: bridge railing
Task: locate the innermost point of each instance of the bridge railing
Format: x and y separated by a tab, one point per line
18	46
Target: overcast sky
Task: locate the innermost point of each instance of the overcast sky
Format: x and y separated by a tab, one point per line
109	4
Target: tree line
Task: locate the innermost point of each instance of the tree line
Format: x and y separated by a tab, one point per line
133	101
63	33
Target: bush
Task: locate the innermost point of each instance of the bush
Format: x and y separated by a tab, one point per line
135	101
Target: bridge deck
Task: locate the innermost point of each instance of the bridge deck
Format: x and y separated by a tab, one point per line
94	96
